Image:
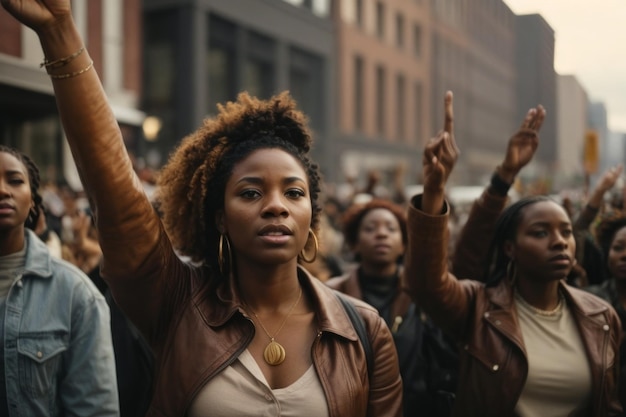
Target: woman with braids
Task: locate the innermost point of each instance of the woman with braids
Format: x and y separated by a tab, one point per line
242	330
57	355
611	237
532	345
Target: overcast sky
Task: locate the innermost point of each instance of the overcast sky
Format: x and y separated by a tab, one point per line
590	44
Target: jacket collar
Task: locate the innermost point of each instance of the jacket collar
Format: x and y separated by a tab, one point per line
502	295
38	258
402	300
504	315
226	302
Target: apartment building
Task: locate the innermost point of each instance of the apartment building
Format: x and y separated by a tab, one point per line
28	116
537	84
474	56
383	85
199	53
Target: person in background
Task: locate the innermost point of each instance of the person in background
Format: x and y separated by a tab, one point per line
588	254
57	355
611	238
532	345
377	235
242	329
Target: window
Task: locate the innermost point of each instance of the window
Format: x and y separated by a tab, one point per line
258	70
221	65
161	72
358	92
380	20
358	12
380	100
306	85
419	102
399	30
400	107
417	40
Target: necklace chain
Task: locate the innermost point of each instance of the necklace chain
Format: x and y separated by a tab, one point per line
274	353
554	312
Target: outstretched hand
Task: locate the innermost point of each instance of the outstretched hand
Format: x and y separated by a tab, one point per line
441	152
38	14
522	145
609	178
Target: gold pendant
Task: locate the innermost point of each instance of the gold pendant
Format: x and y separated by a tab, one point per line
274	353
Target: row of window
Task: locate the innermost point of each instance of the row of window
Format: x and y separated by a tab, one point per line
380	26
402	106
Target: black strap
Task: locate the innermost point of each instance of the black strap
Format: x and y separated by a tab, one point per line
359	326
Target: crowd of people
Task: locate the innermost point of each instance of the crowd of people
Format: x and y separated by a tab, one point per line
242	284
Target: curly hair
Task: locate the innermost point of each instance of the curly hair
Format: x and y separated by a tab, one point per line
354	215
34	181
606	229
192	184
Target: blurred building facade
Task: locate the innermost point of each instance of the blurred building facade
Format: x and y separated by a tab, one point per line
474	56
598	122
28	115
572	124
537	84
370	74
383	64
199	53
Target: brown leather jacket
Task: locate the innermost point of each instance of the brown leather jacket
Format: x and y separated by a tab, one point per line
195	327
494	365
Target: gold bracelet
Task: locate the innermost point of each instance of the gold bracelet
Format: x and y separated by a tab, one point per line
61	61
71	74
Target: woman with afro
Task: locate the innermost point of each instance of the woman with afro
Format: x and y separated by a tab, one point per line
241	330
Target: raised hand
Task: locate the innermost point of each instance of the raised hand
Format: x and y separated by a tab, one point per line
440	155
609	178
522	145
38	14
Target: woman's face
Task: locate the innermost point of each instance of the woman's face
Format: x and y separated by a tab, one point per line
544	245
15	194
267	208
617	255
379	239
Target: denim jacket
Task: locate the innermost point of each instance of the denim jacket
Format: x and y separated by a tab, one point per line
58	353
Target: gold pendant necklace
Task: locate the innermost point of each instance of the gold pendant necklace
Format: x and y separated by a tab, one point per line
274	353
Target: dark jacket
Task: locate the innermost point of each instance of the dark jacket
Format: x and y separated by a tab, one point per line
428	360
484	320
197	327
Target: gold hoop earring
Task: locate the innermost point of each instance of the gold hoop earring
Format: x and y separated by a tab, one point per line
303	253
220	254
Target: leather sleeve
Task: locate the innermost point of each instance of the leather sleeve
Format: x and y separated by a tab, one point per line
138	259
445	299
472	247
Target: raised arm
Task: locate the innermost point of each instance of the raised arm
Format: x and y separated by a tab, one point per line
129	229
470	255
441	296
596	199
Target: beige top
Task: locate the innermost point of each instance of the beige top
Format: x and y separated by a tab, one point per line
559	378
242	390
